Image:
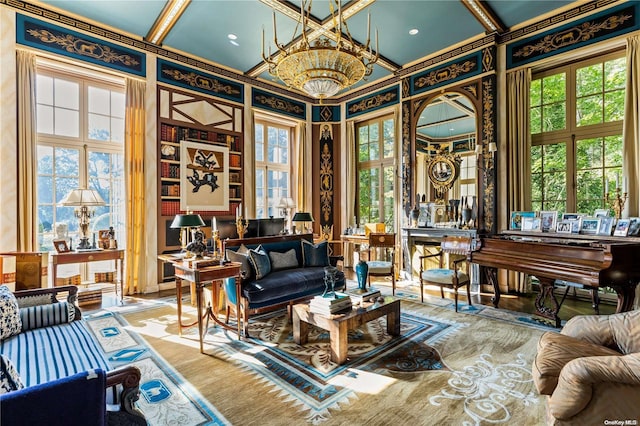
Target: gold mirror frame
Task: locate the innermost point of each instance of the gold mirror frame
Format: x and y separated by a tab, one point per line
443	169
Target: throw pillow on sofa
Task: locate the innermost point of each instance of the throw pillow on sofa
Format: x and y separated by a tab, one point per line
260	261
10	323
46	315
9	378
242	256
286	260
315	254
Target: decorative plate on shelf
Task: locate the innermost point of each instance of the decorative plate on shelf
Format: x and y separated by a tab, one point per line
168	150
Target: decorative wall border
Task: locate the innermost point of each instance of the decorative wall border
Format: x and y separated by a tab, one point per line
488	187
326	181
325	113
190	78
61	41
373	102
460	69
279	104
408	160
583	32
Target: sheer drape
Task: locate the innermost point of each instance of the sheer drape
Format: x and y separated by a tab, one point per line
519	154
303	171
352	167
136	212
631	128
27	132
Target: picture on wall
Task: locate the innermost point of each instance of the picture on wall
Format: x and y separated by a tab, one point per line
204	177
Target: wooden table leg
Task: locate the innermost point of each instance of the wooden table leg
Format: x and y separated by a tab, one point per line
300	329
179	304
393	322
199	288
339	339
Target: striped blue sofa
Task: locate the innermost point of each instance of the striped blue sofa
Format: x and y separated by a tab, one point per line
54	346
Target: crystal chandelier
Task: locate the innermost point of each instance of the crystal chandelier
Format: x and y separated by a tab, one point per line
323	67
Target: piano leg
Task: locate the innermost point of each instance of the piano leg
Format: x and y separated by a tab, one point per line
626	296
492	278
546	292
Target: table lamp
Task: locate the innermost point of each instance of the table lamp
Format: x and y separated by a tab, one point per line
83	198
185	222
302	217
286	205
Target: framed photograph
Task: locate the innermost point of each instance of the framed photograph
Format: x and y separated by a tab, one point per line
61	246
601	213
563	227
516	219
590	225
576	221
424	219
622	228
532	224
606	225
548	219
204	177
634	227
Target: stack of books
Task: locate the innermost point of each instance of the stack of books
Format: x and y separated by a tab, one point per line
330	305
358	296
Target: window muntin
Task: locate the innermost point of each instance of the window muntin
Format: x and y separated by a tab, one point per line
273	165
376	170
571	166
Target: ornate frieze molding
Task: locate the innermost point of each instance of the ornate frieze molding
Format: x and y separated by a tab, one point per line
373	102
279	104
191	78
325	113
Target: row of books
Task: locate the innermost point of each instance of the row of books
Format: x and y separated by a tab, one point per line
168	170
330	305
175	134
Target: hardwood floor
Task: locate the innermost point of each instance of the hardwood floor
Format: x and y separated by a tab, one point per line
571	307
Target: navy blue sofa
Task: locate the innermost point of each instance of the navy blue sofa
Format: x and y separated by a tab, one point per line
282	287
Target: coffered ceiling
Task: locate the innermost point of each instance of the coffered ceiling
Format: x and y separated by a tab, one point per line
228	33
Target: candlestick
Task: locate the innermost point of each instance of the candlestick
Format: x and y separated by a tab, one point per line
617	201
241	226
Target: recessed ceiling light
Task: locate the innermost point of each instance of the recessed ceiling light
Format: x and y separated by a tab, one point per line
232	36
413	31
235	43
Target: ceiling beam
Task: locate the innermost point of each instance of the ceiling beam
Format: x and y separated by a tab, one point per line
165	21
485	15
318	29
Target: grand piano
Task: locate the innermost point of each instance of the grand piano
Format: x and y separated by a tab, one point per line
588	261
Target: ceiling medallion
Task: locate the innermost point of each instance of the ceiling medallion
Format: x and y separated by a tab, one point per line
324	67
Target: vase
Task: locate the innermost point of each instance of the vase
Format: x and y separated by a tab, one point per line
362	270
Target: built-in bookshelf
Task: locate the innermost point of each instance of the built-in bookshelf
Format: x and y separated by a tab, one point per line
187	116
170	185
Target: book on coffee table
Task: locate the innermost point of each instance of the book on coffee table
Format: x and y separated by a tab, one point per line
358	296
330	305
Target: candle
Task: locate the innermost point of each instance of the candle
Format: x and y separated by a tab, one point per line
240	209
606	186
618	181
215	225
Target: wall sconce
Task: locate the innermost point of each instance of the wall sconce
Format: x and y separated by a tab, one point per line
488	164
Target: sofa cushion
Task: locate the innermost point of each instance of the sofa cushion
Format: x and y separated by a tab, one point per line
10	323
260	261
287	284
242	256
46	315
315	254
286	260
9	378
554	352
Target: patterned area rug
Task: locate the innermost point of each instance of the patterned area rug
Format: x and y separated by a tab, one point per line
444	368
166	398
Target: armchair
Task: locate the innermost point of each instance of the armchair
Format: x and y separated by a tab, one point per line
383	266
590	372
458	248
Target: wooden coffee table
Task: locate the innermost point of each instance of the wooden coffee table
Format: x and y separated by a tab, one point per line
339	325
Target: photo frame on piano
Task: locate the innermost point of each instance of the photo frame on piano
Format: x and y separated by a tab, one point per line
576	221
564	227
531	224
590	225
622	228
516	219
548	220
606	225
634	227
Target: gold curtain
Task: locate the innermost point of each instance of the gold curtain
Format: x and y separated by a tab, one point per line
26	128
519	155
303	171
352	167
134	146
631	128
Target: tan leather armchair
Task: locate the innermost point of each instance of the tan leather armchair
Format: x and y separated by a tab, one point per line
590	372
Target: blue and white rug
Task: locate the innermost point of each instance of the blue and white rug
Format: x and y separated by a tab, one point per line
166	398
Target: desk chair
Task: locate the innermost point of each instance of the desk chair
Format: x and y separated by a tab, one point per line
456	250
385	265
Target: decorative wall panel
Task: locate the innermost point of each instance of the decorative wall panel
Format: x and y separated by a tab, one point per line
278	104
326	181
373	102
193	79
325	113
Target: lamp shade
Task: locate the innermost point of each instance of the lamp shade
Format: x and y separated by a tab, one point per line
286	203
83	197
302	217
187	220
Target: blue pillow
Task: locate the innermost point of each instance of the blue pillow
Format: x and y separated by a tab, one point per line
260	261
315	254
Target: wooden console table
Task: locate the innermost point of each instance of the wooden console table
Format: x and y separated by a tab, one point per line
349	242
199	276
117	255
